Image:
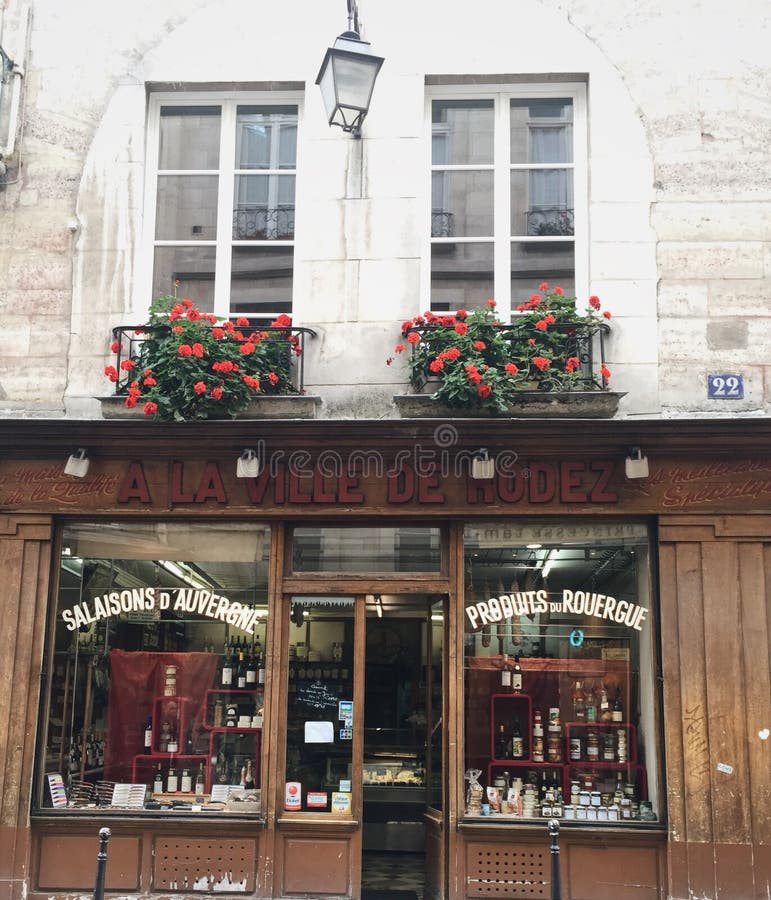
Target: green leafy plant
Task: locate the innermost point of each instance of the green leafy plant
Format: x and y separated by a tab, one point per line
191	365
479	362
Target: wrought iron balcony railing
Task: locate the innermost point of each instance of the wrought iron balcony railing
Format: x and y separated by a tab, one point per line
290	354
584	341
550	221
263	223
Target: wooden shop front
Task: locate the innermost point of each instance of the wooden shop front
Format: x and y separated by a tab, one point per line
362	657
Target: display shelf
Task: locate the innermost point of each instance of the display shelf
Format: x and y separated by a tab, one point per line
234	738
580	730
609	770
175	710
148	762
238	694
506	710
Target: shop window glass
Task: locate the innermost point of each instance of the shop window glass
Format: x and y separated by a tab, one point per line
560	663
320	709
346	550
158	674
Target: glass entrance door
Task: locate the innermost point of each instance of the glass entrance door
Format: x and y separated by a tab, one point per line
364	736
402	745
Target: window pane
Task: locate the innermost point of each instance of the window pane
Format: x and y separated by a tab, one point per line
560	672
535	261
542	202
462	204
192	267
435	705
542	131
189	137
186	208
414	549
158	663
264	207
463	132
266	137
261	281
462	275
319	740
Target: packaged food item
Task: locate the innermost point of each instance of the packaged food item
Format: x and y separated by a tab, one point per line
494	799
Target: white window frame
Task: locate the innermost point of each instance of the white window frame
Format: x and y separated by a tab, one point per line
228	101
503	235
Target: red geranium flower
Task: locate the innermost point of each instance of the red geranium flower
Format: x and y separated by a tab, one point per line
111	372
452	353
273	378
197	350
246	348
399	348
242	322
413	338
491	303
193	315
541	363
571	363
484	390
436	365
115	346
127	365
149	382
558	291
216	393
461	328
594	302
607	314
187	303
605	372
479	345
543	286
199	387
218	333
461	314
511	368
542	324
150	408
185	350
177	329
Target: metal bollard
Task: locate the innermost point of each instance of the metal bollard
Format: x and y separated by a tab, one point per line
556	884
101	863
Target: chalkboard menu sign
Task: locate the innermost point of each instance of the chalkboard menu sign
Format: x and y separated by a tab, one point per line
317	696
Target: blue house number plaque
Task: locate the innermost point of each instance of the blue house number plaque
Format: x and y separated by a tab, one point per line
725	387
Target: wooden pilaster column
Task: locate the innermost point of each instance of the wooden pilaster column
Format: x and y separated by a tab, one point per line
25	556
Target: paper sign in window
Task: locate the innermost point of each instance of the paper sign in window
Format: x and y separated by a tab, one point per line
319	733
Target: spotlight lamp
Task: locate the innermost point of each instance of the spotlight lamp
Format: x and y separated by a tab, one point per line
248	464
482	465
78	463
636	465
347	77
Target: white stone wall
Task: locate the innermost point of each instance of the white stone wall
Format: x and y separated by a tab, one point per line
679	182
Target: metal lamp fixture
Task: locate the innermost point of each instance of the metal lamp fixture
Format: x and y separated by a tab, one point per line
347	77
636	465
78	463
248	464
483	465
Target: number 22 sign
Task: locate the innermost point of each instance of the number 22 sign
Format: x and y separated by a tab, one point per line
725	387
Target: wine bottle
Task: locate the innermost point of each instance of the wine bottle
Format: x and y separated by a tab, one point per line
200	781
516	676
501	743
158	783
248	776
186	785
505	674
226	675
517	743
172	782
241	671
579	703
149	735
251	671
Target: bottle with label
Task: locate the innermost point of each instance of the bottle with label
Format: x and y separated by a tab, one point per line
158	783
261	668
247	776
172	782
251	671
592	746
591	704
149	735
186	783
606	713
554	745
200	781
241	671
517	742
608	746
501	743
617	714
576	748
226	673
173	742
505	675
538	745
579	703
621	748
618	794
516	676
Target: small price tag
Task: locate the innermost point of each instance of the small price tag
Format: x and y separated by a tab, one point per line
725	387
725	768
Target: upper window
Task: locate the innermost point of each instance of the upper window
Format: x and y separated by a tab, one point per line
508	194
221	203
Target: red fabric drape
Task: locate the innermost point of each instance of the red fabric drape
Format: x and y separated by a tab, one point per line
137	679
